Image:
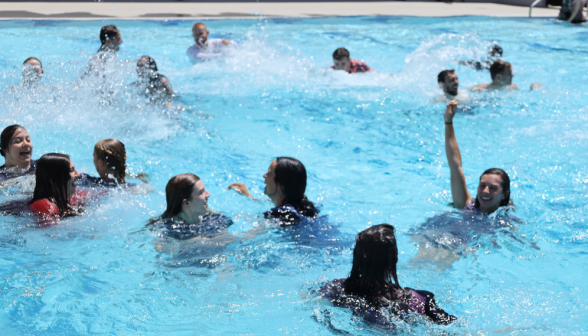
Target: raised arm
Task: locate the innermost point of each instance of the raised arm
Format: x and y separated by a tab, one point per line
459	191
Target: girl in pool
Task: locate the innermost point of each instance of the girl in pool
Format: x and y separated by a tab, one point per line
32	72
372	286
152	84
187	214
285	185
55	189
494	186
110	160
17	149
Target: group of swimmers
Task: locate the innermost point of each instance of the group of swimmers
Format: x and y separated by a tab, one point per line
372	283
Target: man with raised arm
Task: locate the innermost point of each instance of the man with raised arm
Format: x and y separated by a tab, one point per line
501	74
205	48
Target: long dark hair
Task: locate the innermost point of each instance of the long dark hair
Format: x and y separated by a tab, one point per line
6	137
505	184
374	263
52	180
113	152
290	174
179	188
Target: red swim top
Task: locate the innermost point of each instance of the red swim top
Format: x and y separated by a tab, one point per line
358	66
44	207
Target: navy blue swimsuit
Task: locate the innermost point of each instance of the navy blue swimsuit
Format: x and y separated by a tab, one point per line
7	174
285	214
211	224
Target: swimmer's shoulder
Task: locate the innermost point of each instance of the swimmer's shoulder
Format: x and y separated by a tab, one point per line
481	87
44	207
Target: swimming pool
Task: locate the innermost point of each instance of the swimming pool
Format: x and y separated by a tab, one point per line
373	147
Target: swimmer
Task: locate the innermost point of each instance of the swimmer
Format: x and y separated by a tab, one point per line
372	289
32	72
205	48
448	81
572	11
342	61
110	160
285	185
55	188
187	214
152	84
17	150
111	39
494	185
494	54
501	74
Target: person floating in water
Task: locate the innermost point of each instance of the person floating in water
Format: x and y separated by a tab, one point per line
285	185
342	61
501	74
205	48
152	84
32	72
449	83
17	150
111	39
372	289
572	11
187	214
494	185
110	160
55	189
494	54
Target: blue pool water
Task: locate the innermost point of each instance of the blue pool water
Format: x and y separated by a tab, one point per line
373	147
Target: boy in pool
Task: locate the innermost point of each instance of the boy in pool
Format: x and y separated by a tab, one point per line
501	74
205	48
111	40
342	61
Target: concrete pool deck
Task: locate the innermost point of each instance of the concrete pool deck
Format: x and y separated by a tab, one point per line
196	10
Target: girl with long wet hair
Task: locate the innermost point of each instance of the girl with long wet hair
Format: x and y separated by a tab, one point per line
285	185
16	147
187	214
373	286
494	185
55	186
110	160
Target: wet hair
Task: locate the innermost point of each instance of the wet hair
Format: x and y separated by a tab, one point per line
498	67
109	32
374	264
290	174
443	75
505	184
341	53
53	178
495	50
6	137
150	63
115	155
178	188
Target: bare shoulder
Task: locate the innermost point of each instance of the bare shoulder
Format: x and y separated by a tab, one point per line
513	86
480	87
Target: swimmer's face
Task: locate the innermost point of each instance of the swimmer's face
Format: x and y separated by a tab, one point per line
197	204
451	84
20	149
73	176
143	69
490	192
101	167
341	64
271	188
200	34
32	68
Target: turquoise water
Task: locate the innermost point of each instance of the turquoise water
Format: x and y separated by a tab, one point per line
373	148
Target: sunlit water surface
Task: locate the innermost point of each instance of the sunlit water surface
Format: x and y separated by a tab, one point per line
373	147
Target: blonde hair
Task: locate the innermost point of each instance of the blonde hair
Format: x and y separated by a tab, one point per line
115	155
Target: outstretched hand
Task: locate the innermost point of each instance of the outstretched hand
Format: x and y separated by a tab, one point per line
240	188
450	111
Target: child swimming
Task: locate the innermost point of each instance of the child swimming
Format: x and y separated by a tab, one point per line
17	149
110	160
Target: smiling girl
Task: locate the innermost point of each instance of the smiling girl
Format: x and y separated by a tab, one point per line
16	148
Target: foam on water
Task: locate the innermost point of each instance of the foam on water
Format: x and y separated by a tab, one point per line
373	147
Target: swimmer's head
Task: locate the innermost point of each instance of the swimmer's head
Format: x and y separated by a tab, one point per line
374	261
501	73
186	197
56	177
341	59
110	38
200	33
16	146
448	81
495	51
493	190
32	69
146	67
110	160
